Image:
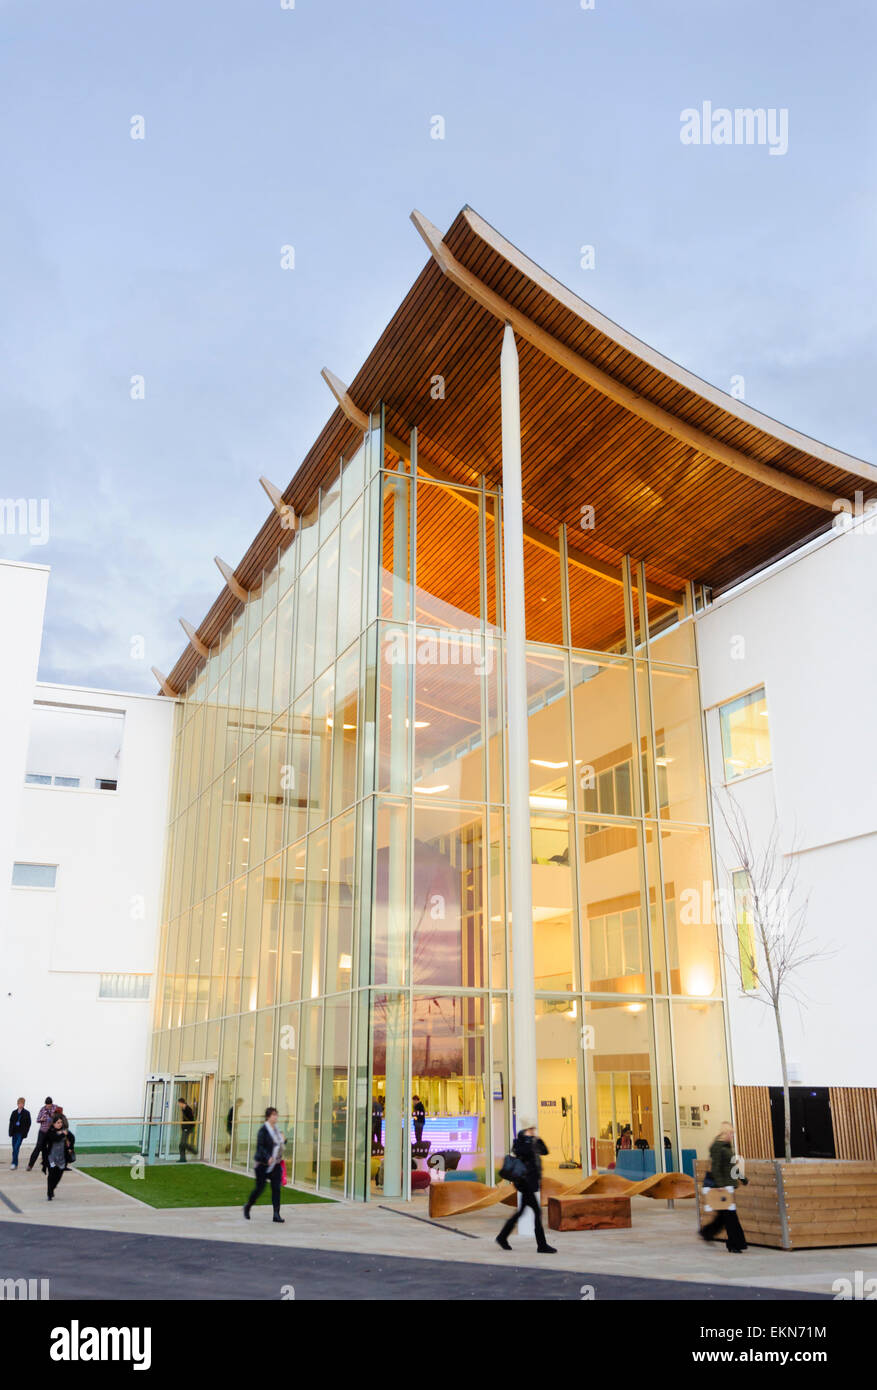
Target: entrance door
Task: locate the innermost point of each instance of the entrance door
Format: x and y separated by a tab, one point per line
187	1088
155	1115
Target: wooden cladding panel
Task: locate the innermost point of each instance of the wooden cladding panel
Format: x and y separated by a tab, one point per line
754	1133
854	1117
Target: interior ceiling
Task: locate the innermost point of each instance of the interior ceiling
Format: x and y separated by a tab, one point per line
688	516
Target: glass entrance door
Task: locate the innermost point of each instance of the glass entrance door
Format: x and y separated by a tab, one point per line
154	1119
187	1134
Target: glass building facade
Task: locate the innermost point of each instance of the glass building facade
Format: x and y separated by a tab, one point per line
336	939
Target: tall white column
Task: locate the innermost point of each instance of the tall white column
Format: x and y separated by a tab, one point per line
524	1023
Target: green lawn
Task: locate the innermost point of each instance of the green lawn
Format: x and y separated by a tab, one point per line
166	1185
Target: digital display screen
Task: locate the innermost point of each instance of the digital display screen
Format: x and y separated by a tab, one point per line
445	1132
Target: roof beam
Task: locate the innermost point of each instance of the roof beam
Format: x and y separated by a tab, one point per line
164	684
229	576
590	563
283	509
194	640
594	376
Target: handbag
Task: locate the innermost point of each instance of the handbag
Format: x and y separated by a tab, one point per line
283	1172
513	1169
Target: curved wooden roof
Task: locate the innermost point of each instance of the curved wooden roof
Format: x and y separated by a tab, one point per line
698	485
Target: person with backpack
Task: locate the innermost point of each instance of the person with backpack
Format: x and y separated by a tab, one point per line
268	1164
523	1167
60	1152
44	1123
19	1128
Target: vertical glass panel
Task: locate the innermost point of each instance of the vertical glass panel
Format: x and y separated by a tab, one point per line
236	944
293	922
250	691
263	1065
267	641
235	696
352	476
560	1082
278	788
270	946
657	924
555	948
672	1158
689	908
619	1062
305	635
607	775
549	730
330	506
701	1076
596	606
677	645
679	744
393	736
389	1110
327	604
333	1106
543	604
320	782
448	939
745	734
350	576
315	912
252	940
307	1124
447	595
341	902
308	535
298	775
345	730
259	804
448	1073
218	955
500	1086
396	548
225	851
450	670
390	914
283	655
497	897
287	1072
244	797
612	908
492	560
248	1126
231	1101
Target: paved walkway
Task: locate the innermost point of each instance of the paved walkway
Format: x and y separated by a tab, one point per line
662	1242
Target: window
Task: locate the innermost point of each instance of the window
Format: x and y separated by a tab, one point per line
124	987
34	875
745	930
745	734
74	747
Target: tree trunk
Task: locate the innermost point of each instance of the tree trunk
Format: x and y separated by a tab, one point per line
787	1103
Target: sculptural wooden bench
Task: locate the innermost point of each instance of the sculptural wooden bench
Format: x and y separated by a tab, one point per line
588	1212
457	1198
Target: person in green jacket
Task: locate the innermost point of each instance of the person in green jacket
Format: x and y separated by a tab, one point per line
723	1169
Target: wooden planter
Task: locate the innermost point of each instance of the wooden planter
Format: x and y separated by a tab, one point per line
803	1204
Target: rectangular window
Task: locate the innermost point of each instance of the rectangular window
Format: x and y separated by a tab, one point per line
38	779
745	930
34	875
745	734
124	987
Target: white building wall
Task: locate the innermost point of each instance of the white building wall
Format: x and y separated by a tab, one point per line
805	631
57	1037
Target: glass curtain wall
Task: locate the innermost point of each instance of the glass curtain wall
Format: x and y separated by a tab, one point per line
336	927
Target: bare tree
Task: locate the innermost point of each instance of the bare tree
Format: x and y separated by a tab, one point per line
768	958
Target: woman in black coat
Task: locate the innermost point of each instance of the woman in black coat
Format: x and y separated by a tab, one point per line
58	1148
269	1155
723	1171
529	1148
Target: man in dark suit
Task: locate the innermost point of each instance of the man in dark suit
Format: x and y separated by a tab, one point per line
187	1128
419	1115
19	1126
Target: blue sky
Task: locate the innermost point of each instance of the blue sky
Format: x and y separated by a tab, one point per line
311	127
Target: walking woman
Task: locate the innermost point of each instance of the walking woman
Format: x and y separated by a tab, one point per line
269	1156
59	1151
528	1148
719	1196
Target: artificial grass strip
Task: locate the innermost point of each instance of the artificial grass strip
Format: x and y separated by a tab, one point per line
167	1185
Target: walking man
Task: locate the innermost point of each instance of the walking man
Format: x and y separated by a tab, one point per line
187	1128
44	1121
19	1127
419	1116
268	1164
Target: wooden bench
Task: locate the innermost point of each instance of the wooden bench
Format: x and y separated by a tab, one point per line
586	1213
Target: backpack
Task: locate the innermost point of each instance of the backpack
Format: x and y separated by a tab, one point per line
69	1150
